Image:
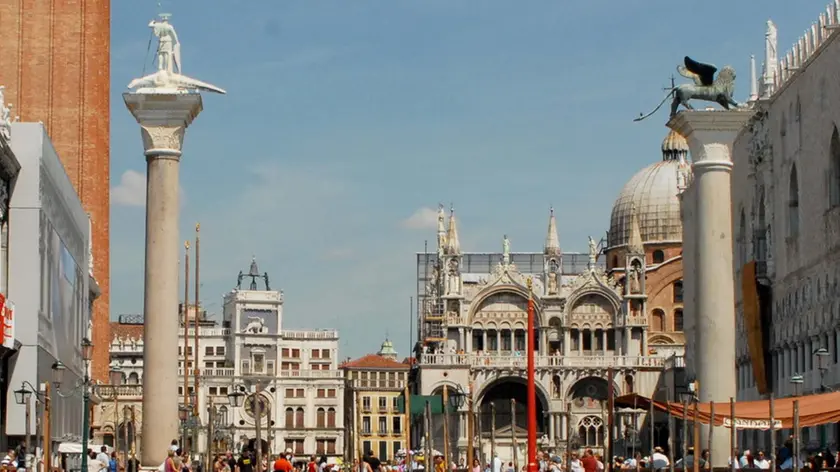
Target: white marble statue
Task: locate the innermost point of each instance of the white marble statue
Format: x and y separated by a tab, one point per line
6	111
168	77
453	286
593	251
635	273
256	325
506	250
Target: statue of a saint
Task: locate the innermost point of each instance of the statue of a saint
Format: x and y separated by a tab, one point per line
552	283
593	251
635	285
506	250
453	285
169	48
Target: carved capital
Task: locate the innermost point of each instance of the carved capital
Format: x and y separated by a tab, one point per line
162	140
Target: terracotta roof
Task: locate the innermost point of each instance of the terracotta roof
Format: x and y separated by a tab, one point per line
132	331
374	361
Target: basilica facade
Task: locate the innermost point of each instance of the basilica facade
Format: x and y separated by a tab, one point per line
614	312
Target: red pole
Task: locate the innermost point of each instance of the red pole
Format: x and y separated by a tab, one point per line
532	390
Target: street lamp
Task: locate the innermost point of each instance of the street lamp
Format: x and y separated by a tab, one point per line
822	355
456	399
797	381
22	396
85	386
236	398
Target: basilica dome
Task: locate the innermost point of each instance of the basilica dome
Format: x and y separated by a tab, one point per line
652	195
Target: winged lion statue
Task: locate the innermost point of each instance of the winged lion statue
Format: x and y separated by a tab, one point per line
705	87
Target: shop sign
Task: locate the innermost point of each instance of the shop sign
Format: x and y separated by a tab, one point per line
7	311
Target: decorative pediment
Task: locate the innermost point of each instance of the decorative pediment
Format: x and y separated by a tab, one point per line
595	279
508	274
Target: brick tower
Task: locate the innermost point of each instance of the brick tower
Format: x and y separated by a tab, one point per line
55	64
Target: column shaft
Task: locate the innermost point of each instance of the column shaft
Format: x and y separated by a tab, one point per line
160	307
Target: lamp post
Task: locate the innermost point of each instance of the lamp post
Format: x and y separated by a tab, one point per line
822	356
85	387
183	415
531	385
23	397
456	401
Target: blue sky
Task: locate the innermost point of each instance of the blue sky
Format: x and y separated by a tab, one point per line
345	118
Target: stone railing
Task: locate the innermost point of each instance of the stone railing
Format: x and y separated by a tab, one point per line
106	391
224	372
508	361
311	374
309	334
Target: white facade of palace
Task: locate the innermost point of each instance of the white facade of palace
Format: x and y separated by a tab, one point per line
472	316
301	387
786	218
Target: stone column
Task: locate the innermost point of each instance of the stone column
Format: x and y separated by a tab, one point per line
710	135
163	118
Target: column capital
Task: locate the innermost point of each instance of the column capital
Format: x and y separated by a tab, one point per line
163	119
710	134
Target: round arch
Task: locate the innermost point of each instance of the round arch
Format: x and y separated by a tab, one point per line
480	300
660	339
600	384
611	298
500	391
437	387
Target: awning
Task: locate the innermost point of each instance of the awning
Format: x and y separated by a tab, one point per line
814	410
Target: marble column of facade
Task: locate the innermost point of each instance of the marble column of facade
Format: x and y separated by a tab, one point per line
163	119
710	135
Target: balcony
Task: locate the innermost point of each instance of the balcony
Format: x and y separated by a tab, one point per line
318	334
520	362
311	374
123	392
226	372
202	332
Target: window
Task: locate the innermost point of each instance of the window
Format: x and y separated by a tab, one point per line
322	393
395	404
290	366
366	447
331	418
208	351
285	352
213	391
295	354
246	367
657	321
300	393
223	391
365	403
834	170
678	291
330	393
269	366
220	350
383	449
366	425
793	203
295	445
316	353
299	420
222	412
383	425
658	257
396	425
383	403
325	353
396	448
591	431
678	319
259	363
325	446
321	418
290	418
290	393
209	365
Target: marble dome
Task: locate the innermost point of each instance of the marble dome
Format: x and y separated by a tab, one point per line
652	195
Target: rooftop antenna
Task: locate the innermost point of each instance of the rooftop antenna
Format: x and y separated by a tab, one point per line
673	84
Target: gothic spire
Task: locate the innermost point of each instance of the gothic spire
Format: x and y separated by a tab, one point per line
453	244
552	241
634	242
441	230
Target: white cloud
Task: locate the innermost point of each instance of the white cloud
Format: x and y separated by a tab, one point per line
423	218
131	190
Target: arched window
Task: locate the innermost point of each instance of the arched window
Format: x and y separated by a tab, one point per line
678	319
299	418
591	431
834	169
658	257
629	384
321	418
290	418
793	203
331	418
678	291
133	378
657	320
223	415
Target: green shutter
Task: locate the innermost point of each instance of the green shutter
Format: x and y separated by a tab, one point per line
418	404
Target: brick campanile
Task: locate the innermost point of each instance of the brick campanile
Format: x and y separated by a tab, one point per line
55	61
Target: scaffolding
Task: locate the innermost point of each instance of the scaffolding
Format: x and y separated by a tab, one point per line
431	315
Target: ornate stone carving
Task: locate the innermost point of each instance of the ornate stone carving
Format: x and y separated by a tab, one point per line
162	137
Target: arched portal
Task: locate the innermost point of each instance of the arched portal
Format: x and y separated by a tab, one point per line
499	394
508	308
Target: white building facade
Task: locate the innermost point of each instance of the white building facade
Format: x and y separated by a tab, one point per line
472	314
786	223
295	371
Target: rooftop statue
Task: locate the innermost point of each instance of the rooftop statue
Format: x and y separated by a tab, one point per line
706	87
168	75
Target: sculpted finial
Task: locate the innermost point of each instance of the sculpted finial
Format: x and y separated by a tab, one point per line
705	87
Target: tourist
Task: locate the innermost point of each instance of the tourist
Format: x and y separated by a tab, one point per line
113	462
282	464
95	464
245	462
497	463
589	463
476	465
761	461
103	456
575	464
